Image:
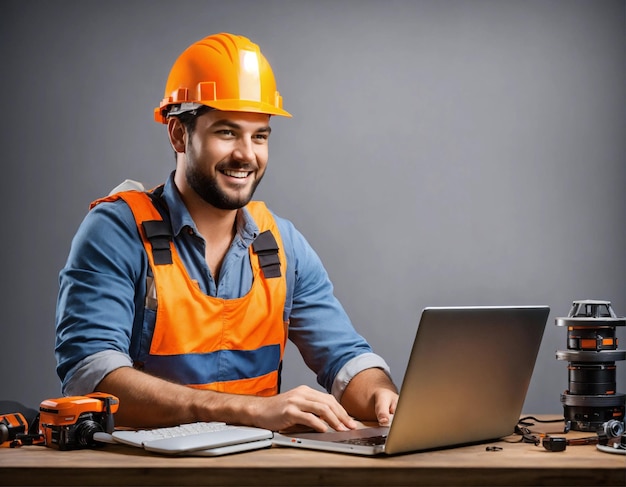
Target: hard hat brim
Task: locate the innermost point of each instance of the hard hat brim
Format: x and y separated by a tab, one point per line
232	106
246	106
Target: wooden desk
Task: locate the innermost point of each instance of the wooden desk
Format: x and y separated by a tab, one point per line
515	464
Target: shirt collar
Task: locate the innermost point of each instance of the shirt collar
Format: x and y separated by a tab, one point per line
180	219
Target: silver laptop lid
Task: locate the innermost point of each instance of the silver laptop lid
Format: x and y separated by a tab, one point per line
467	377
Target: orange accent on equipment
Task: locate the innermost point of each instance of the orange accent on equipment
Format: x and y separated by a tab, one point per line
66	410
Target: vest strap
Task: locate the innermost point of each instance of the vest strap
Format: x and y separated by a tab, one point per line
159	235
266	248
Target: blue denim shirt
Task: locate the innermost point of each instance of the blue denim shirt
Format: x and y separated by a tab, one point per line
100	309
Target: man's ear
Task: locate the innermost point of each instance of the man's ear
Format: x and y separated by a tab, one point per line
177	134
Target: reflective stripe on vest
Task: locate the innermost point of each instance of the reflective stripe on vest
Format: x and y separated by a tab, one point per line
228	345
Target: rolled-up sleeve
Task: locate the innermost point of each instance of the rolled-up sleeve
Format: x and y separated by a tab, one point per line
99	291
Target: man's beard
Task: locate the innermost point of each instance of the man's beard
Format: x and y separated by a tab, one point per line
208	189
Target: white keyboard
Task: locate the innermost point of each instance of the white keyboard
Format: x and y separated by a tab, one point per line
194	437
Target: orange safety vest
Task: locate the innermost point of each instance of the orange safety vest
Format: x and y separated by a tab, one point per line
205	342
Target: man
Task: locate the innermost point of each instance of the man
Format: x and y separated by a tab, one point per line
179	300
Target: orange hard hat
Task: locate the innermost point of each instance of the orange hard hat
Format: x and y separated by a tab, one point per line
223	71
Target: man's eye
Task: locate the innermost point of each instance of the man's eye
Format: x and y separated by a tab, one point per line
227	132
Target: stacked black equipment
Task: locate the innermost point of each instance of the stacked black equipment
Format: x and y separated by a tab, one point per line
591	399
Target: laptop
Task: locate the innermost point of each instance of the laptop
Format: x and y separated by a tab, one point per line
465	383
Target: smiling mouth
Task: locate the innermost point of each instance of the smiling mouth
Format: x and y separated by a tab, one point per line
236	174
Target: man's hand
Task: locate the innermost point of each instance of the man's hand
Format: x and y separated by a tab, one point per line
385	402
301	406
371	396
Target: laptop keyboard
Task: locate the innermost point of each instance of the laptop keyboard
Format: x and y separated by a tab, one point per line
370	441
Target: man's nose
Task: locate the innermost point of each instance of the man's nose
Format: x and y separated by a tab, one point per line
244	150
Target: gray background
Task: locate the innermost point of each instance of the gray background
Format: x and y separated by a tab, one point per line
441	153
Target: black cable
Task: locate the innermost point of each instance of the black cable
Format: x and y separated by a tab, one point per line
550	443
526	435
525	418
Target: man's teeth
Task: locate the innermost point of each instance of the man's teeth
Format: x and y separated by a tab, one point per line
236	174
